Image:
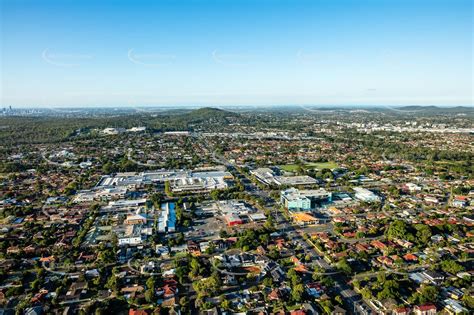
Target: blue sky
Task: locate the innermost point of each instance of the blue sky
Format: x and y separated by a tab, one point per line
138	53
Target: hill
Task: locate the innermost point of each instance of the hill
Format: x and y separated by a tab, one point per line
210	112
206	117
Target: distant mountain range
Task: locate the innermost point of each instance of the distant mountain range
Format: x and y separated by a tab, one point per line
455	109
225	116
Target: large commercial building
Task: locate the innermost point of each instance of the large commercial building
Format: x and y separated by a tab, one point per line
111	193
123	205
295	180
303	200
264	175
365	195
180	180
201	181
268	177
293	200
237	212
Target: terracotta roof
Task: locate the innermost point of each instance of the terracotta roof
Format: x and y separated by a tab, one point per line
410	257
426	307
274	295
137	312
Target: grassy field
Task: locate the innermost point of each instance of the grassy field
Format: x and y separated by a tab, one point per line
294	167
289	167
330	165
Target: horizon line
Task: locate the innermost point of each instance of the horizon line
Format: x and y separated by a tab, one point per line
228	106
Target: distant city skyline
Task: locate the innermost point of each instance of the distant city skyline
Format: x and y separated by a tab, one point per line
241	53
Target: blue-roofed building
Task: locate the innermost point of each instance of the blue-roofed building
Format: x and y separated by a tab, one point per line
18	221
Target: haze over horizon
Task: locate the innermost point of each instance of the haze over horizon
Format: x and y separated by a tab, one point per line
236	106
243	53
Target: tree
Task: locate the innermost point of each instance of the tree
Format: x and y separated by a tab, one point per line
427	293
423	233
150	283
294	277
113	283
297	292
264	238
269	223
149	295
344	266
225	304
390	290
468	301
356	284
34	285
451	266
326	305
195	267
184	303
156	199
268	282
381	278
168	188
97	281
108	168
223	234
399	229
181	273
366	293
207	286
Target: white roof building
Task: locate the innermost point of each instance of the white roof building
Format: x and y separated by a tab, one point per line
365	195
